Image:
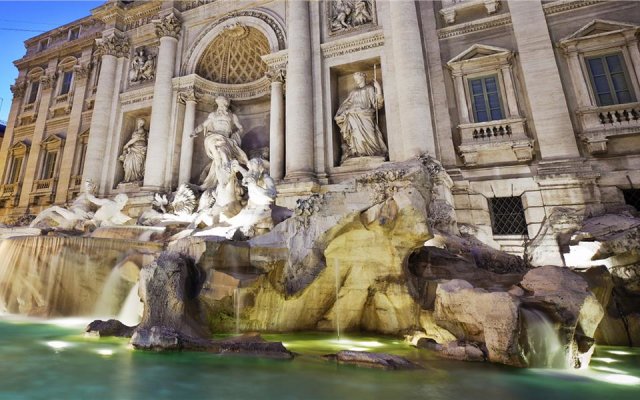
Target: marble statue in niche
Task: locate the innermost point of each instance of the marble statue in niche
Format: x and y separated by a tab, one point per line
134	153
347	14
143	67
357	120
222	132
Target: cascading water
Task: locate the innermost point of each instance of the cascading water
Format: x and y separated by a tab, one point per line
59	276
237	305
132	308
542	342
336	307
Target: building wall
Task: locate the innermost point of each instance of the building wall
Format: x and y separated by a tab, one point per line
554	155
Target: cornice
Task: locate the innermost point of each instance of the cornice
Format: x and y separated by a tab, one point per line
475	26
353	44
567	5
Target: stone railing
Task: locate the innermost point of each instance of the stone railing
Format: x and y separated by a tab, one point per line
44	185
9	190
451	7
501	141
61	105
600	123
500	130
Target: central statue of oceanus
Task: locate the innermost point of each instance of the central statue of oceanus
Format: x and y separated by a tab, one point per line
222	138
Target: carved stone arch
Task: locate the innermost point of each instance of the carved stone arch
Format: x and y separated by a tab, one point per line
67	63
35	73
262	20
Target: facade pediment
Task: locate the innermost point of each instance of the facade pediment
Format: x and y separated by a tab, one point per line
479	53
598	27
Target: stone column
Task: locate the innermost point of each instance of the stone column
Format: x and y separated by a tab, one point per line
276	124
81	73
190	99
18	90
461	98
168	30
548	105
579	84
112	47
634	52
47	83
299	104
411	80
512	102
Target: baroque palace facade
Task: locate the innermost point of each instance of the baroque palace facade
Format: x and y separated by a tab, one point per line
529	105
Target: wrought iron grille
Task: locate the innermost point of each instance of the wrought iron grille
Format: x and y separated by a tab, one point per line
632	197
507	216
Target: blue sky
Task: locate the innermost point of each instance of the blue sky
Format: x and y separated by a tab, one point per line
20	20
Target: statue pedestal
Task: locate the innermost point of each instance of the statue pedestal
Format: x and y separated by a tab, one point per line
354	166
128	187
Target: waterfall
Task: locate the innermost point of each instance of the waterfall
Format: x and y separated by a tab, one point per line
336	307
60	276
132	308
543	346
237	305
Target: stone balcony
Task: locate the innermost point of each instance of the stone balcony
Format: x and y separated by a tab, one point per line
29	114
450	8
492	142
43	191
61	105
598	124
9	194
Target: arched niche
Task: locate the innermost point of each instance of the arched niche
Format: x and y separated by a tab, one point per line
261	20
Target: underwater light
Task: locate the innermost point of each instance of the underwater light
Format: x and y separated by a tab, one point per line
105	352
620	352
58	344
619	379
608	360
612	370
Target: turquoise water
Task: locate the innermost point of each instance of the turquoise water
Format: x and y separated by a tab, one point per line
49	361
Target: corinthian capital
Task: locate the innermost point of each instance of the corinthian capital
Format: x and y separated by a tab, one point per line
169	25
188	94
18	88
114	45
47	81
277	74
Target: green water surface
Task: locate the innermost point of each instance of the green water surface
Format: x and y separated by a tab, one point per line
49	361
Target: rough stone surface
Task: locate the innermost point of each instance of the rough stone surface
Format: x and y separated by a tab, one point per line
108	328
372	360
476	315
169	289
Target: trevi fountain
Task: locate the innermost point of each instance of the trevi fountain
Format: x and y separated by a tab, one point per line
233	278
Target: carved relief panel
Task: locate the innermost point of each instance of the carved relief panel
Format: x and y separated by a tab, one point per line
348	15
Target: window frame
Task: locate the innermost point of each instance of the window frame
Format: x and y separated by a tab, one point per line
470	97
612	91
71	76
492	214
74	29
43	44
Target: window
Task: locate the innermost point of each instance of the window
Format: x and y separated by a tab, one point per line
74	33
632	197
33	92
485	99
43	44
49	164
16	167
67	77
507	216
609	80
